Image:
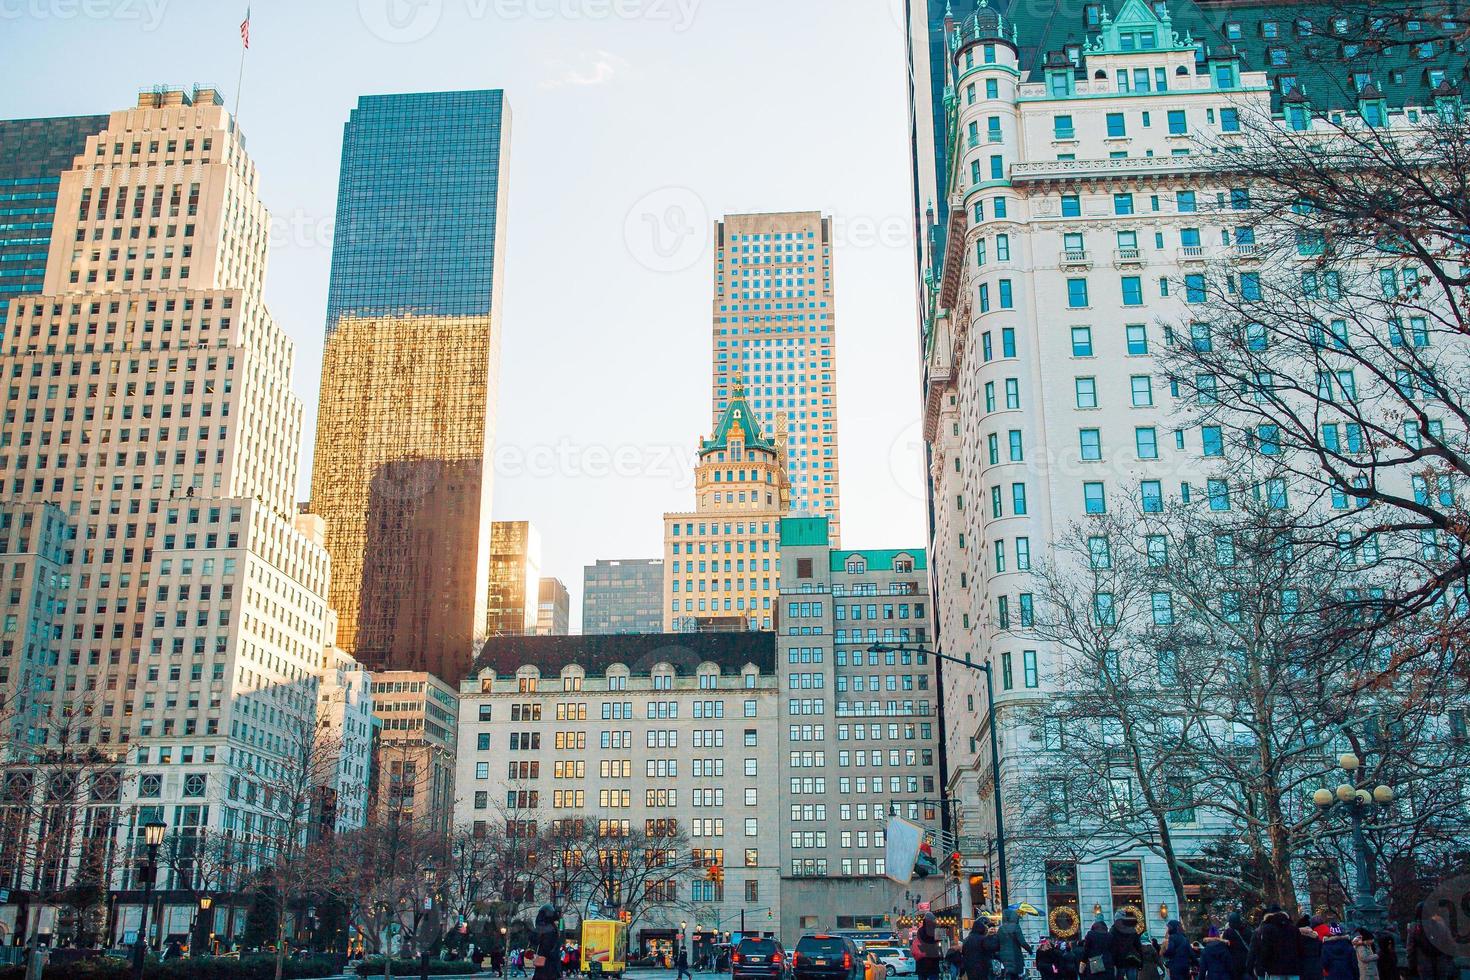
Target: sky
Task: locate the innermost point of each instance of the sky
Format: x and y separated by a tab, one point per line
635	124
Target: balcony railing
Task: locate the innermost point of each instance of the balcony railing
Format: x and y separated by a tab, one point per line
1076	256
1127	256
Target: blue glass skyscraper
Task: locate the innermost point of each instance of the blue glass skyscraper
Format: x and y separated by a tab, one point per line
404	434
33	153
418	205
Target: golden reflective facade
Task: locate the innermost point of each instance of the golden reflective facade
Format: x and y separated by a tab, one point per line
515	576
402	479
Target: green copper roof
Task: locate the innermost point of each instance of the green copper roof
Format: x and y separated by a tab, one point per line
880	560
804	532
738	412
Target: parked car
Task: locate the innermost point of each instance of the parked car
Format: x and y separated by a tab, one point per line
823	957
760	958
897	961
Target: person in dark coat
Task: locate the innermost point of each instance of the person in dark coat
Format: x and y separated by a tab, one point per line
1339	959
547	944
926	951
1276	949
1179	955
1237	936
975	952
1127	947
1097	944
1388	957
1152	967
1013	944
1048	960
1311	949
1215	962
681	963
1067	960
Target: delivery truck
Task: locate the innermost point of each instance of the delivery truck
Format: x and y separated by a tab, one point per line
604	947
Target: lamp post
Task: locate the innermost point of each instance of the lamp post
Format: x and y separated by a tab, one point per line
1000	820
1365	910
206	930
152	836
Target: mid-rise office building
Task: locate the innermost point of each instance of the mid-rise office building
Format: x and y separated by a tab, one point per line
1068	211
515	578
623	596
33	153
553	608
344	720
669	734
775	336
859	727
406	422
722	562
414	753
157	416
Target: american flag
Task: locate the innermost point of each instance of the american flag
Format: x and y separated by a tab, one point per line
245	28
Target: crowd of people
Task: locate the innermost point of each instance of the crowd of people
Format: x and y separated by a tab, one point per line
1278	948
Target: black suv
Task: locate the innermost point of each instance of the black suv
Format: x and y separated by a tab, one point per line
759	958
822	957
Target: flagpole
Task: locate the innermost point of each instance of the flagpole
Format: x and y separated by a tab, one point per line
240	78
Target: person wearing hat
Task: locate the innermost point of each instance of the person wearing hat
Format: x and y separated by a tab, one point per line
1311	947
1127	948
1237	936
1097	951
1339	959
1367	951
1276	949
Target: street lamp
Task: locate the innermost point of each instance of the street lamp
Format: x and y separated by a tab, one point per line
153	832
1000	820
1366	909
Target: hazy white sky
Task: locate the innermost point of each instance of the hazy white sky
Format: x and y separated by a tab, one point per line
635	124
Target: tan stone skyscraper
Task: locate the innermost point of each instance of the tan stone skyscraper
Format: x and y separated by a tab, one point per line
149	489
407	419
774	331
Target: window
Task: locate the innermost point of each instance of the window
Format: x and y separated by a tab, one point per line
1137	334
1062	128
1142	391
1116	125
1185	203
1178	123
1194	288
1086	392
1081	341
1132	291
1230	120
1146	439
1076	292
1090	444
1151	496
1093	501
1071	206
1219	494
1122	203
1213	442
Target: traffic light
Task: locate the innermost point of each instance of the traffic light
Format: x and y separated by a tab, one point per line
717	874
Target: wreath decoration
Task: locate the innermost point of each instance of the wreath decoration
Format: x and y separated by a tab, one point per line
1063	921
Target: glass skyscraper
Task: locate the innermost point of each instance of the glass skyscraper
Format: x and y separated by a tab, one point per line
406	425
33	153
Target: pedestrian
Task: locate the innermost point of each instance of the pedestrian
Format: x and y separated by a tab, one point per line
1276	948
1339	959
1126	946
1067	960
925	948
975	951
497	960
1152	967
1215	962
1237	936
1096	960
1048	960
1311	949
1428	955
1013	944
1388	957
1367	951
1179	955
547	959
681	962
953	959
